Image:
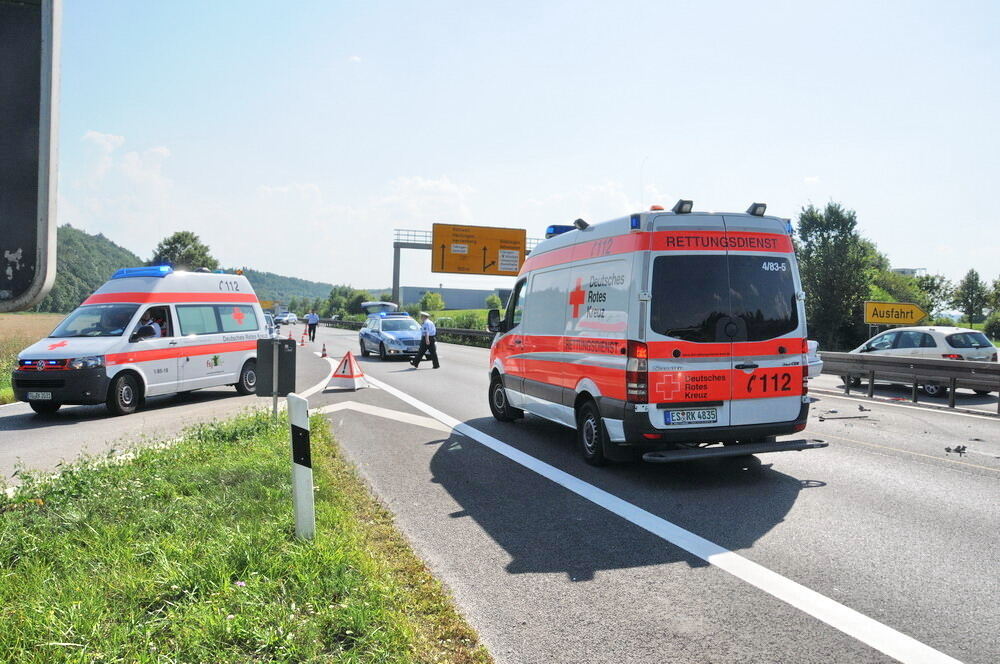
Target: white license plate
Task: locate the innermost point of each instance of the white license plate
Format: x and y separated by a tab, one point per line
700	416
39	396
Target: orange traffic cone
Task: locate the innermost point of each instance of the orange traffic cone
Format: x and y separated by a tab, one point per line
348	374
290	334
302	339
324	351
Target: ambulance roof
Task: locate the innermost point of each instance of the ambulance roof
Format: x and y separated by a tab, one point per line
132	283
659	220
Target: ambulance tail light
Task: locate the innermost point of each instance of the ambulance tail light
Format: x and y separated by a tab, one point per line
637	373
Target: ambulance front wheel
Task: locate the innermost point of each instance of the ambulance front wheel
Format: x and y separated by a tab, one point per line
124	395
591	434
499	406
248	378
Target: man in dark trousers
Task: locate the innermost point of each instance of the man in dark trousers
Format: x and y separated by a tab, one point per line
312	320
428	332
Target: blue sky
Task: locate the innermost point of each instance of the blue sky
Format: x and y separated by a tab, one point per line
293	137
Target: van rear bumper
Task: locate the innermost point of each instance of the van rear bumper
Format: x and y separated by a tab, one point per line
637	424
73	386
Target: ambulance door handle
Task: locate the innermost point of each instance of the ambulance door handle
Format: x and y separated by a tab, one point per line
173	343
746	365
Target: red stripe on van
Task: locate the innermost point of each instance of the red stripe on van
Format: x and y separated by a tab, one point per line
661	241
180	351
665	349
169	298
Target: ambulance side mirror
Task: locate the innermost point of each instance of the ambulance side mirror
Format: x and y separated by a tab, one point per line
493	322
144	332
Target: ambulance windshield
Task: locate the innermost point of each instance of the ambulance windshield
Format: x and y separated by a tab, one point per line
96	320
693	297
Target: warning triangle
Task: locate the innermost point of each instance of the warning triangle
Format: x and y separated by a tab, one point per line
348	374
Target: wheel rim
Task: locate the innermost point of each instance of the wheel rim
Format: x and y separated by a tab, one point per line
589	435
250	378
499	397
932	390
127	395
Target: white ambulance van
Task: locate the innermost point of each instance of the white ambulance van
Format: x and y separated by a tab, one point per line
669	335
146	332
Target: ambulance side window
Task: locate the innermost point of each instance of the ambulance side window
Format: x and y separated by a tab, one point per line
515	306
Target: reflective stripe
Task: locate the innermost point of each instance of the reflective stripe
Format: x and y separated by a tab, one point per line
180	351
169	298
719	241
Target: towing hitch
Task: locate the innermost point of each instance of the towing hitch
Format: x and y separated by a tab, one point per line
670	456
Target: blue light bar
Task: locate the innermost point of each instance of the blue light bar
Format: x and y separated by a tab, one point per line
553	231
150	271
634	222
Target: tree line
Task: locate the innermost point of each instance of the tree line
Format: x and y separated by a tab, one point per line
840	270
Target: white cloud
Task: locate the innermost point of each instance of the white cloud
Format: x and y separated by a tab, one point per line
103	145
811	179
354	58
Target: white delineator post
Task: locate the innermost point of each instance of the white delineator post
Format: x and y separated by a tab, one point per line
302	474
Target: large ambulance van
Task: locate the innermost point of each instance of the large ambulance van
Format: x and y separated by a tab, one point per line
148	331
665	335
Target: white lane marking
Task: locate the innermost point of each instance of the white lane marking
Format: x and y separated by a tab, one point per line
935	409
881	637
388	413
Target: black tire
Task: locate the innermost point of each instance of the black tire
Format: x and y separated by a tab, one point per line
382	355
499	406
44	407
591	436
248	378
123	395
982	393
932	390
364	351
852	381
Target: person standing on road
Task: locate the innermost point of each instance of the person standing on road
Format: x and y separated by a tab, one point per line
312	320
427	341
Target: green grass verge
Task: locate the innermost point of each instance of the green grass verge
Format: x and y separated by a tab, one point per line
186	554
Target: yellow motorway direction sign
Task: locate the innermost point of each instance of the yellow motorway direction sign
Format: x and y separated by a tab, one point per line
267	304
478	249
893	313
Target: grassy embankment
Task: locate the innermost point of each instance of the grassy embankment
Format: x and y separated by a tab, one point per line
186	554
18	331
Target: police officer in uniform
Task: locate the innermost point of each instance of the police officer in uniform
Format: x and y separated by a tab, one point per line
428	333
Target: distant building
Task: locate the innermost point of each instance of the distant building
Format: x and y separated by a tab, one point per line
910	271
454	298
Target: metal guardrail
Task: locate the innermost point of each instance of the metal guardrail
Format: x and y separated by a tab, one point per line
914	372
455	331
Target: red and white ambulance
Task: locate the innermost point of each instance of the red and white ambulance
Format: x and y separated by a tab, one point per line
146	332
667	334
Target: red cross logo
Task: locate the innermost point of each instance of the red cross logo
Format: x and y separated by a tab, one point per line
59	344
577	297
669	386
238	315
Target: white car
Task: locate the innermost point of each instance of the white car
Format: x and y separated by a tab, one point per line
938	342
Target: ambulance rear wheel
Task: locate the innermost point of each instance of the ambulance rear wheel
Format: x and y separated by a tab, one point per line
123	396
591	434
499	406
44	407
248	378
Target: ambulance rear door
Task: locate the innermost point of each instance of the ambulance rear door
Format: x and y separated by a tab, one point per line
768	360
691	329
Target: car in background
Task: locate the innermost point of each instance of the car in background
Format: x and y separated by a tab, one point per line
389	334
815	362
271	326
286	318
938	342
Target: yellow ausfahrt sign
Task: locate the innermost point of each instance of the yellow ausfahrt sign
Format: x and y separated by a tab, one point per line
893	313
478	249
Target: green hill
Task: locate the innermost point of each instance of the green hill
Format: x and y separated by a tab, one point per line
86	261
83	263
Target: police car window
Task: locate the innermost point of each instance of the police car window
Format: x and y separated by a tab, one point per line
198	319
762	293
690	295
399	325
98	320
237	318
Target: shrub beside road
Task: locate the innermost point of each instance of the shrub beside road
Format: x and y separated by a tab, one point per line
187	553
17	332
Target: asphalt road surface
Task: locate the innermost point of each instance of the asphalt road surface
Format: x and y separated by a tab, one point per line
883	542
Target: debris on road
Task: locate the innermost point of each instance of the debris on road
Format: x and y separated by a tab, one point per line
958	449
